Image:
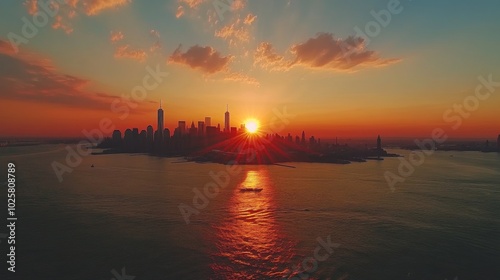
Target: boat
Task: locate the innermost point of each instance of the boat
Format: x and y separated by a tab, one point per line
250	190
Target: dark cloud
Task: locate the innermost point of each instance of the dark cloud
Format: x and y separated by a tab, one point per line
205	59
323	52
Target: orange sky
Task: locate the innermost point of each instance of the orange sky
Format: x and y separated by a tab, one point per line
306	57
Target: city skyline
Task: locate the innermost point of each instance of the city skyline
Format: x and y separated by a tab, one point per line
245	139
258	57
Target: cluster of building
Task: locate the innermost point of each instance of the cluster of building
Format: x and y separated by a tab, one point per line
183	138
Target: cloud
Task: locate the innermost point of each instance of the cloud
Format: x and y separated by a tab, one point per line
209	61
180	12
210	11
31	6
205	59
239	77
267	58
59	23
6	48
68	10
94	7
326	51
192	3
116	36
32	78
127	52
238	31
156	36
238	5
322	52
250	19
233	33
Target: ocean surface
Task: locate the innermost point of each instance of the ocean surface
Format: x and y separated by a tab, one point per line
122	217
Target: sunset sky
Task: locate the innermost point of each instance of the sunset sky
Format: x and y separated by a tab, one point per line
259	57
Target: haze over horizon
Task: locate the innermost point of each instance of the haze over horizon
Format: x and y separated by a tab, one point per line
258	57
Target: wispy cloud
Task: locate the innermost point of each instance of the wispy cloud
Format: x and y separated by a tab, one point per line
70	8
116	36
267	57
192	3
94	7
126	51
156	36
250	18
29	77
240	77
180	12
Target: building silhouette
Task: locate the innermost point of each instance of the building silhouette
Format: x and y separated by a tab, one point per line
201	128
208	121
160	124
197	140
498	143
182	127
192	130
117	138
227	125
150	137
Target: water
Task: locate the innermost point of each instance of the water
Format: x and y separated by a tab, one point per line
441	223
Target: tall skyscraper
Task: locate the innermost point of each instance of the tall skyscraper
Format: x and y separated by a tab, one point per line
208	121
160	123
379	143
227	125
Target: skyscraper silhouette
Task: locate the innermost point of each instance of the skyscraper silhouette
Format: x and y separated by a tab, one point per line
379	143
227	125
201	128
160	124
182	127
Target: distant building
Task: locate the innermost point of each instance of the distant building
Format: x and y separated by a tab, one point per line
117	138
166	134
379	143
127	139
498	143
227	124
150	134
201	128
208	121
312	141
160	124
211	131
192	130
182	127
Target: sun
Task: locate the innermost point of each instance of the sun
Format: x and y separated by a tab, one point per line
252	126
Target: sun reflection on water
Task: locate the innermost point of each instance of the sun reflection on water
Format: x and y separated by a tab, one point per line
250	244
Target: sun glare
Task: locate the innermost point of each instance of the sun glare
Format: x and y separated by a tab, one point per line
252	126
